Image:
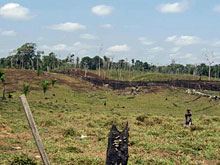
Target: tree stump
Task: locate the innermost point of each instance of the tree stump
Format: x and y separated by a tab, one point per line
117	152
188	119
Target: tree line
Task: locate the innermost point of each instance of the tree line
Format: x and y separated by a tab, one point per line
28	57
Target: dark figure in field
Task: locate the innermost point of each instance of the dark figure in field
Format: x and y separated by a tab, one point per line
188	118
117	152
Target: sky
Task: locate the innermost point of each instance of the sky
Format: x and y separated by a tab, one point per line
156	31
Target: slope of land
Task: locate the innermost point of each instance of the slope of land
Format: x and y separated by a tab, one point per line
123	75
75	107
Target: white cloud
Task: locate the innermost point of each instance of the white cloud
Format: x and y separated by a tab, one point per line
14	11
57	47
40	38
88	36
177	7
60	47
175	49
107	26
155	49
217	44
187	55
145	41
68	27
102	10
171	38
184	40
77	47
119	48
217	9
80	45
8	33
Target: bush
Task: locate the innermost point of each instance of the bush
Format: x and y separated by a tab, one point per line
45	86
70	132
74	149
86	160
2	73
23	159
53	82
26	88
141	118
196	128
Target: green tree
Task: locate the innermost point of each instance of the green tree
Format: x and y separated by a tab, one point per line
50	62
26	54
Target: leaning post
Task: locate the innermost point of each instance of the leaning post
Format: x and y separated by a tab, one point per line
34	130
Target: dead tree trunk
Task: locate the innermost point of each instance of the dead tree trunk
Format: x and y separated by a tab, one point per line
117	152
3	91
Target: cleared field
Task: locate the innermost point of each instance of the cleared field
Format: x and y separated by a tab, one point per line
75	108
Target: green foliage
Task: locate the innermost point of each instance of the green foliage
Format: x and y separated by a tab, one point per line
10	95
2	73
73	149
142	118
23	159
2	76
87	160
70	132
45	86
53	82
26	88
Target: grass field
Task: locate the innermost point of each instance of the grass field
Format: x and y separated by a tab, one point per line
146	76
75	107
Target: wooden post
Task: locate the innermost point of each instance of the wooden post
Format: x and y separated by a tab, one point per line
117	152
34	129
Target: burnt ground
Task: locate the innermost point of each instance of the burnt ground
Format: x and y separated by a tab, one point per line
192	84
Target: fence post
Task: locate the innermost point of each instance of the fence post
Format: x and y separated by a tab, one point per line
34	129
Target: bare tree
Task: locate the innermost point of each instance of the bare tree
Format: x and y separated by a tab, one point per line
100	50
210	62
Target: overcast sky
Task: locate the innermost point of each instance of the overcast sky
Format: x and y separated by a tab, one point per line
155	31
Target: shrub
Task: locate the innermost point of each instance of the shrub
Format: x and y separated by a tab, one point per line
69	132
74	149
26	88
23	159
141	118
53	82
45	86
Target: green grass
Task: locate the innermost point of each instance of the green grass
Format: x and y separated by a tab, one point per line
146	76
157	135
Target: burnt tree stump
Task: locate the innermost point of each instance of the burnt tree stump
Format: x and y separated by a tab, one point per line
117	152
188	118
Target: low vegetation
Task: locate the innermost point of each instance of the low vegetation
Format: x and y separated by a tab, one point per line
146	76
75	109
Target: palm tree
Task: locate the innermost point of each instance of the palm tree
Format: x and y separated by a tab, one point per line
53	82
45	86
26	88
